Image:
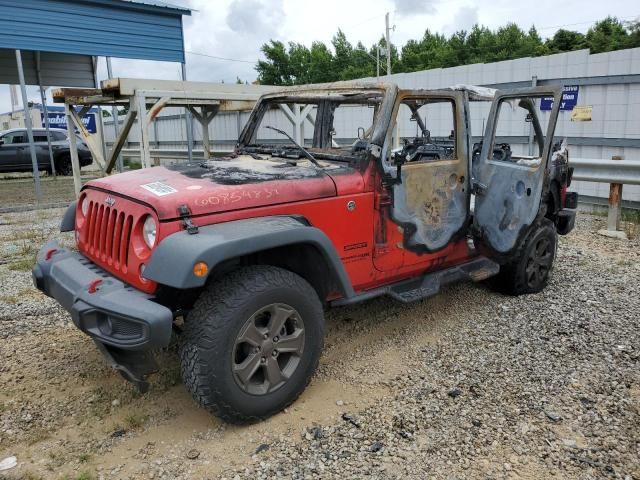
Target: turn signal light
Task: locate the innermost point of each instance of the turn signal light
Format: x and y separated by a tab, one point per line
200	269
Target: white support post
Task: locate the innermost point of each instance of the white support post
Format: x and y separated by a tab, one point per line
204	123
204	117
296	115
145	154
150	118
45	113
116	116
27	121
99	119
73	149
303	114
188	120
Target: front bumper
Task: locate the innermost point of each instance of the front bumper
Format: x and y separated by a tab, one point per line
124	322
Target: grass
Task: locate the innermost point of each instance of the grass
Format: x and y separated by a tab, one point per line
135	420
23	265
169	376
10	299
81	476
631	215
132	164
84	457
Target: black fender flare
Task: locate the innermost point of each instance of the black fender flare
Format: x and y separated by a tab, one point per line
172	261
68	223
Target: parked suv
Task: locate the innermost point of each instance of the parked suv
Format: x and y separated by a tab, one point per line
16	157
240	256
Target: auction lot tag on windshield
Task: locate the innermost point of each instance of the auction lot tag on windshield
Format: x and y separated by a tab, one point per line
158	188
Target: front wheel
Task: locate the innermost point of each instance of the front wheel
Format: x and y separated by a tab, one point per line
530	271
252	343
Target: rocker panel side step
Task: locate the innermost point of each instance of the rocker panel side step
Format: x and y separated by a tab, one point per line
408	291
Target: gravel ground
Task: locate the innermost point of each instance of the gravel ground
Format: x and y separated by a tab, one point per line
467	384
18	189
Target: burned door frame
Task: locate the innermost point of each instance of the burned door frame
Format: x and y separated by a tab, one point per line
423	196
508	194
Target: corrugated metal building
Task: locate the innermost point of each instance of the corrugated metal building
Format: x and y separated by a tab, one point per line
60	39
110	28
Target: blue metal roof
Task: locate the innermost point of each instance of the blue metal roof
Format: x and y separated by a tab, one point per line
148	30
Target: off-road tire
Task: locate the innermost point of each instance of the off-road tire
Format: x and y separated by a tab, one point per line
513	278
63	166
210	334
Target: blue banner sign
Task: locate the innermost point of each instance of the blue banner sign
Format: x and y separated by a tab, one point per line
58	120
569	99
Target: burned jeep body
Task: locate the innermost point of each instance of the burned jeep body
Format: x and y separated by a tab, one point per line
381	191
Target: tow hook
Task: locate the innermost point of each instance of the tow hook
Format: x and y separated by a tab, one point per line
93	285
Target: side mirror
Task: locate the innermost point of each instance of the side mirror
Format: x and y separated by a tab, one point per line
1	141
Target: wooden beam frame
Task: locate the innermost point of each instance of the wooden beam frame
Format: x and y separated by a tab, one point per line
122	137
96	151
204	117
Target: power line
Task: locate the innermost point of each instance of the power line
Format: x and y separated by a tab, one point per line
583	23
221	58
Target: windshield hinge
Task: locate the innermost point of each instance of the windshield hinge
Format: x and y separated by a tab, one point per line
185	215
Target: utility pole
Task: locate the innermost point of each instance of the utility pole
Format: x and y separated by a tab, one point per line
386	21
378	63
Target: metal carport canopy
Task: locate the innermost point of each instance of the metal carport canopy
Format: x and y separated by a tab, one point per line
110	28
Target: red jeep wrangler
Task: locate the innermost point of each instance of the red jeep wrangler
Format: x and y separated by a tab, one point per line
388	195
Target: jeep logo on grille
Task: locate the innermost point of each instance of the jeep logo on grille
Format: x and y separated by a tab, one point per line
110	201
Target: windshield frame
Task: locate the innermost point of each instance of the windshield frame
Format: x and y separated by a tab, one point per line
349	91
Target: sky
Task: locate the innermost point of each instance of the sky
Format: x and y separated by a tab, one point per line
234	30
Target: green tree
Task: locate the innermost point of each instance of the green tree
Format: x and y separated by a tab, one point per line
565	41
275	70
634	34
297	64
607	35
321	59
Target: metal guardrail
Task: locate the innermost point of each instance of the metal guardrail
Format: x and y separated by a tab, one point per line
617	172
624	172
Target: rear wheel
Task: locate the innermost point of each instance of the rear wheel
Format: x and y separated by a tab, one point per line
530	271
63	166
251	343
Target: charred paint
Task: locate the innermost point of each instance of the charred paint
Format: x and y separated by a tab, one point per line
246	170
430	197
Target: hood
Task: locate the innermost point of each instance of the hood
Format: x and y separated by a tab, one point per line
222	185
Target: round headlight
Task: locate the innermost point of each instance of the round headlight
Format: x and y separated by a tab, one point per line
84	206
149	230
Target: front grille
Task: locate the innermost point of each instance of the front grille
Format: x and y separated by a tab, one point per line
108	235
